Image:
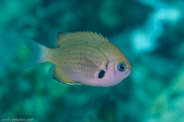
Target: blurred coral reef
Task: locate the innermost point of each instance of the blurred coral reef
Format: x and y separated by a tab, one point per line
149	32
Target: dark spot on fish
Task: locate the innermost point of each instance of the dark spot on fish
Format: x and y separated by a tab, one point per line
101	74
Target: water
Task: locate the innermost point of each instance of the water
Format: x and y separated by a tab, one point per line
150	33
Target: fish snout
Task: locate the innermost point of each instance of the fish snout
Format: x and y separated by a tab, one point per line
128	72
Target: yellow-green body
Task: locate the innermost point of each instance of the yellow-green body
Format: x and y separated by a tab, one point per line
81	55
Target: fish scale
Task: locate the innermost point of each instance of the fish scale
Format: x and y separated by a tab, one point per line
77	59
79	55
86	58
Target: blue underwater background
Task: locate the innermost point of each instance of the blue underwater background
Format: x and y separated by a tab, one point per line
149	32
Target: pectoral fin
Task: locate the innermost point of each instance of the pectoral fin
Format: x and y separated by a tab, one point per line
60	76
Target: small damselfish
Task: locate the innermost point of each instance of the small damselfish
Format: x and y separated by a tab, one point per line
84	58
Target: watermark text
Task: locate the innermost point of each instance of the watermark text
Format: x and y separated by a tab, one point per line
17	120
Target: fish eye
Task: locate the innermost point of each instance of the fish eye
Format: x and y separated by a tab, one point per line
101	74
121	67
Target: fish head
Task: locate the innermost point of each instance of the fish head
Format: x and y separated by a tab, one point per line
122	69
113	72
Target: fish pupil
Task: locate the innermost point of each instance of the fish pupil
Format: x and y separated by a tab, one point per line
122	67
101	74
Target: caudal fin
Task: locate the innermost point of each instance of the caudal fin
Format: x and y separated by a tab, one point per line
36	53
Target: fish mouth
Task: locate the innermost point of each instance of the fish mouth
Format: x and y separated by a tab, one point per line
128	72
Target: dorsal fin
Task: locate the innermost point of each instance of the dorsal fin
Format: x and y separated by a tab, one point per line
79	36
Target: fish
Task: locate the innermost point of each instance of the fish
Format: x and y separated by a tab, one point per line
83	58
